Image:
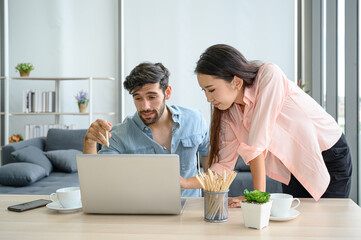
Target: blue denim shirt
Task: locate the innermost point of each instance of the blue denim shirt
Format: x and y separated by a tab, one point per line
189	136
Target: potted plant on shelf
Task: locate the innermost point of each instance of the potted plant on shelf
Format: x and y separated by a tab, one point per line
83	101
24	69
256	209
16	138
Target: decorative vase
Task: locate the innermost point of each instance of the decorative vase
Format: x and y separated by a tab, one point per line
24	74
256	215
82	107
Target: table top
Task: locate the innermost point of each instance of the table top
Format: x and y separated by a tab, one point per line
325	219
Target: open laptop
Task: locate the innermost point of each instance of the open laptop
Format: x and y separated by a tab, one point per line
130	183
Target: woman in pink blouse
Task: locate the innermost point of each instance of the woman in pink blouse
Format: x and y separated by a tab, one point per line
277	128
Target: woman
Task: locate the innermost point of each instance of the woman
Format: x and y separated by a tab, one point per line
277	128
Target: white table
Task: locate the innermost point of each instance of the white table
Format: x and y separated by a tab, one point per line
325	219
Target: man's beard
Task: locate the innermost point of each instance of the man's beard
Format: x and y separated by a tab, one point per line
157	115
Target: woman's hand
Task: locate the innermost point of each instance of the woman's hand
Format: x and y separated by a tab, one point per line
234	202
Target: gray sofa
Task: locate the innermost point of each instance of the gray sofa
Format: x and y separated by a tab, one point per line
57	141
243	180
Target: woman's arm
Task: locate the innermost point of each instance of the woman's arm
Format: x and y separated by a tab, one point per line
258	171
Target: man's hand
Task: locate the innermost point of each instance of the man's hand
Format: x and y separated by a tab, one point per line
96	134
234	202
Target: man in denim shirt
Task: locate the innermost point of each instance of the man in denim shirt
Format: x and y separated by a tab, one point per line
155	127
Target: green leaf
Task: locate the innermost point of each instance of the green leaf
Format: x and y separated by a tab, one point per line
256	196
25	67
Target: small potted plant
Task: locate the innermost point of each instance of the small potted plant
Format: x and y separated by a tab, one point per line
24	69
16	138
83	101
303	85
256	209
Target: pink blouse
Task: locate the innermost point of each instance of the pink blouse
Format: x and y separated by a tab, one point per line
283	123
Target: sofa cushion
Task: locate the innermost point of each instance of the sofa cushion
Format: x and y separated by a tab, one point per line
60	139
21	174
64	160
34	155
8	149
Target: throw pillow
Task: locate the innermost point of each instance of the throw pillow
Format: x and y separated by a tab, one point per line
21	174
34	155
64	160
61	139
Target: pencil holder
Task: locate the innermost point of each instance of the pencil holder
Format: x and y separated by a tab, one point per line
216	206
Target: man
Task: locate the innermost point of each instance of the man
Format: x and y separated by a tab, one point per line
155	127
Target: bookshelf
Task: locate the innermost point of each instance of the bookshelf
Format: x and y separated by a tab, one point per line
7	114
1	92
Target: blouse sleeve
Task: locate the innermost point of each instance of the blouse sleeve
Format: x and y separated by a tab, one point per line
269	99
227	153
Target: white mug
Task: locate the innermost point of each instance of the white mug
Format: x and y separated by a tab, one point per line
68	197
282	204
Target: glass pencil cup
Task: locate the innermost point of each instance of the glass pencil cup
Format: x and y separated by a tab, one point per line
216	206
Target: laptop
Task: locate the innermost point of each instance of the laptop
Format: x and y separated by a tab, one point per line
130	183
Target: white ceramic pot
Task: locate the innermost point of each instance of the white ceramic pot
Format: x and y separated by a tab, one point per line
256	215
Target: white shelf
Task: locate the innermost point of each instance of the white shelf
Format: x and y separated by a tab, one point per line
57	115
61	78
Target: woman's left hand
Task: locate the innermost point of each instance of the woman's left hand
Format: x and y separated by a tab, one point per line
234	202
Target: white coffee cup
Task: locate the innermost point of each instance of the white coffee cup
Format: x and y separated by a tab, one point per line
281	205
68	197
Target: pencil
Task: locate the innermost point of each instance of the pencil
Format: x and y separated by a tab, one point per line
106	135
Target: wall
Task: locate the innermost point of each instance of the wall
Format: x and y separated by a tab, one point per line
176	33
63	38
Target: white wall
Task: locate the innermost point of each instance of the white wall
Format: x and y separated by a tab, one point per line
63	38
78	38
176	32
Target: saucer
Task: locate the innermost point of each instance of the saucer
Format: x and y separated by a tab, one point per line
291	215
57	206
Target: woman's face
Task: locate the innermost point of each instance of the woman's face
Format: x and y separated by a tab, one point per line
219	92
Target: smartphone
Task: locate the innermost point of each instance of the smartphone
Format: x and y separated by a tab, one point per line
29	205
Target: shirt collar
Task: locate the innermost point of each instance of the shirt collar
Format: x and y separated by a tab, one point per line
249	96
250	92
175	116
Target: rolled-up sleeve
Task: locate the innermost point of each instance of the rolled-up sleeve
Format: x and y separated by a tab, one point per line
269	97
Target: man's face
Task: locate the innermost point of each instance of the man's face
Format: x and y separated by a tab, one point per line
150	102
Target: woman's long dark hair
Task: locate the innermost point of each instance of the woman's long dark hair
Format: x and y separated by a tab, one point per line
225	62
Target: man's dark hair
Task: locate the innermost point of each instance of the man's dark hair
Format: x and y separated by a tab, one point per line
146	73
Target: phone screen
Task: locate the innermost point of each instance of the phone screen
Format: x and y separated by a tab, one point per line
29	205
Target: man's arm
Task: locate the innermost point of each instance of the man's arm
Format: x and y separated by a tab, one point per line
96	134
189	183
90	147
192	183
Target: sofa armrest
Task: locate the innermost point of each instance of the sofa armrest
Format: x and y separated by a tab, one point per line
8	149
